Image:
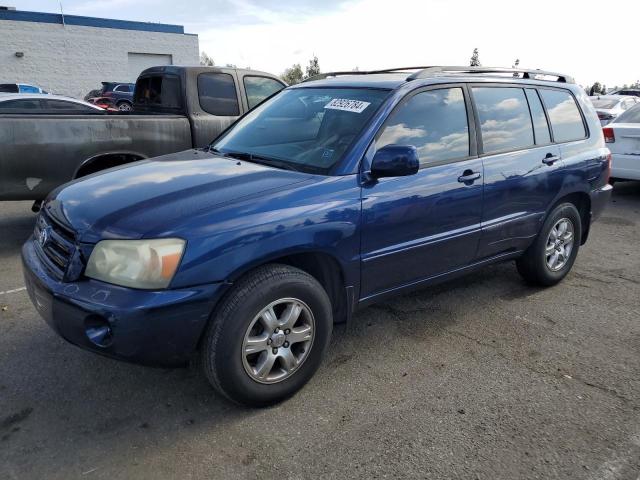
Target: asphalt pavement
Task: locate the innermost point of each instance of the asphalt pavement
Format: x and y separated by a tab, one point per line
480	378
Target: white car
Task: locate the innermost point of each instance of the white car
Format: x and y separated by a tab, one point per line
608	107
623	139
44	103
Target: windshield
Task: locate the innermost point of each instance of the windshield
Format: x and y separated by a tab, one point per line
630	116
307	129
604	102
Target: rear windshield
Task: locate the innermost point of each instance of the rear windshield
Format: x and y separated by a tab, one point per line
159	92
630	116
604	102
307	129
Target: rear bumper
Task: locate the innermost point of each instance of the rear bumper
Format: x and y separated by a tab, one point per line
625	167
159	328
599	200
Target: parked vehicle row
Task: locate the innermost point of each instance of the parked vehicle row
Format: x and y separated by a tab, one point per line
334	194
608	107
176	108
623	139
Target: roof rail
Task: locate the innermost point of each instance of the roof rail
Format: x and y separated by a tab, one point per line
321	76
526	73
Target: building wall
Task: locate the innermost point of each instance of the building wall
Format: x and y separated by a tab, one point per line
72	60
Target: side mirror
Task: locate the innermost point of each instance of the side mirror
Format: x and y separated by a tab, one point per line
395	161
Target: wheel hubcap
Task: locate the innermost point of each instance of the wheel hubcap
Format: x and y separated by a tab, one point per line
559	244
278	340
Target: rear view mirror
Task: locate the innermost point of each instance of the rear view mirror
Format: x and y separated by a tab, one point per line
395	161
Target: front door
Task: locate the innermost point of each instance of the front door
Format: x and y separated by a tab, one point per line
427	224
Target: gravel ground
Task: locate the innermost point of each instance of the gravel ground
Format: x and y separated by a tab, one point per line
483	377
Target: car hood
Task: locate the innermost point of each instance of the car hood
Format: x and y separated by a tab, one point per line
157	195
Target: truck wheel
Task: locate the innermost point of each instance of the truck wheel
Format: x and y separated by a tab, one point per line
548	260
124	107
268	336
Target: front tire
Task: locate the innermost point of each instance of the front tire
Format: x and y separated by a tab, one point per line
550	258
268	336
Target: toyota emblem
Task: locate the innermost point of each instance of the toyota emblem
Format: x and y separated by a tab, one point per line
43	237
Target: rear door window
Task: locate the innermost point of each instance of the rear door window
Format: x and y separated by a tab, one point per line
259	88
505	122
564	115
217	94
434	121
540	125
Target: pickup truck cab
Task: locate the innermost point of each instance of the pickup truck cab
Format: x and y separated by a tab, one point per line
334	194
174	108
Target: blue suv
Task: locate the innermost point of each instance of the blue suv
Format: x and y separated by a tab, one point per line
333	194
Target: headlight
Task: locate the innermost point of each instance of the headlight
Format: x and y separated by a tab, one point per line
147	264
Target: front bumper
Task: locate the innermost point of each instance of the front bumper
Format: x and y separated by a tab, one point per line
599	200
160	328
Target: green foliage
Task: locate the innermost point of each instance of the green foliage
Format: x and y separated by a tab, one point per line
475	59
206	60
313	68
293	74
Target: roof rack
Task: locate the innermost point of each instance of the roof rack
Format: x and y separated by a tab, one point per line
428	71
526	73
321	76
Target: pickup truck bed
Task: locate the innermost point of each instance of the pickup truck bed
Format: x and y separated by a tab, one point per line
175	109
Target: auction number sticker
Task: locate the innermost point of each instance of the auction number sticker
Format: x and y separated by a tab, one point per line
355	106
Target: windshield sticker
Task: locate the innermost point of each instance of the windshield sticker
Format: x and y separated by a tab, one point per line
355	106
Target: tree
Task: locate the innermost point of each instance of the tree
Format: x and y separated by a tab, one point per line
293	74
313	68
596	89
475	59
206	60
604	89
515	65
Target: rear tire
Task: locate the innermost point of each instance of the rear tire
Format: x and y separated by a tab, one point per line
268	336
124	106
550	258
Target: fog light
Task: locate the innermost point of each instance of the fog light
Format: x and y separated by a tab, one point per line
98	331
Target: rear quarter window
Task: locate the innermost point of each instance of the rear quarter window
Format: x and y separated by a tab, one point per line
566	121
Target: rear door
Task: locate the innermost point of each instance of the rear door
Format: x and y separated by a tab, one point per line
420	226
522	166
218	96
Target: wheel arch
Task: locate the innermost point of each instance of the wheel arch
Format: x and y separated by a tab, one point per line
106	160
322	266
582	202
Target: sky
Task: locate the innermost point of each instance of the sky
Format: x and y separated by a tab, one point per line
567	36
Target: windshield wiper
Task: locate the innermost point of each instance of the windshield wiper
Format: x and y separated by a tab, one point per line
262	160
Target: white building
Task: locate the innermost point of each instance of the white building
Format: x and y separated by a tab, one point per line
71	55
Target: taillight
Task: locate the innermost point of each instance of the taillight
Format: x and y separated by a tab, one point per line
609	136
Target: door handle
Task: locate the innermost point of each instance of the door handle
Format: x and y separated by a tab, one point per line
550	159
469	176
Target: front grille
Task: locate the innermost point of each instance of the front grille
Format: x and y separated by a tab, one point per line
55	245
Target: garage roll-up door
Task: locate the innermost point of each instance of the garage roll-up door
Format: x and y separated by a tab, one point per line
140	61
